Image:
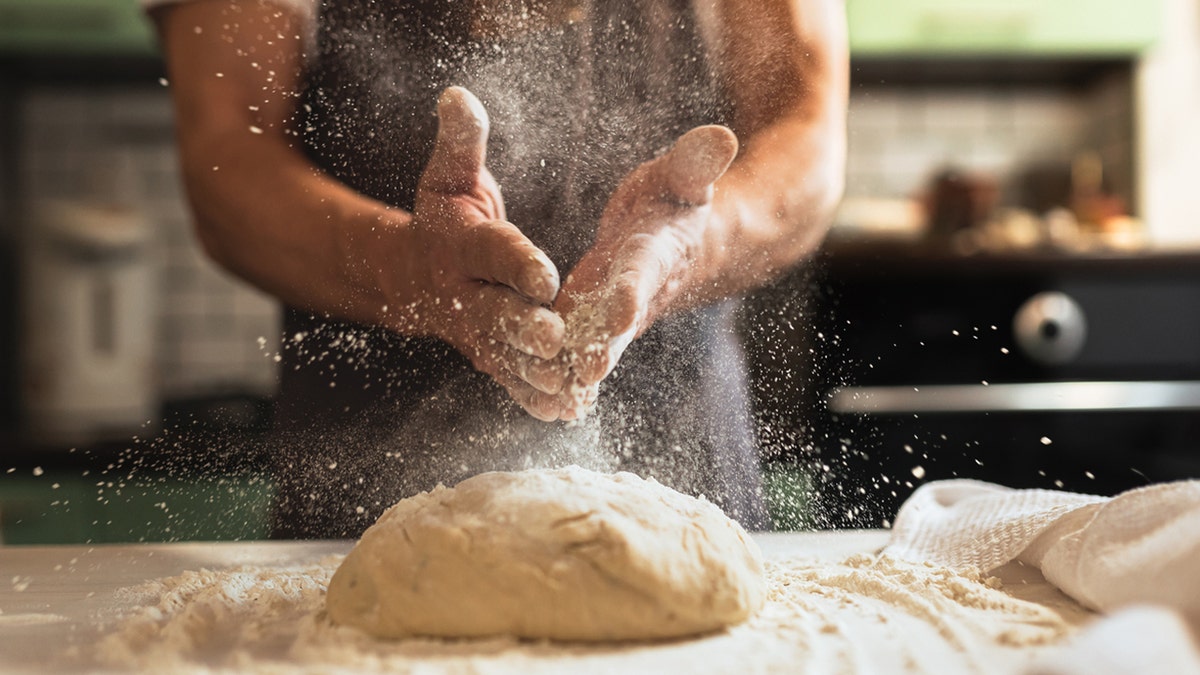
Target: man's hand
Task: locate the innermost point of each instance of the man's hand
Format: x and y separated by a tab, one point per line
481	285
647	242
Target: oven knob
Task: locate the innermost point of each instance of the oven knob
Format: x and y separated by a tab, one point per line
1050	328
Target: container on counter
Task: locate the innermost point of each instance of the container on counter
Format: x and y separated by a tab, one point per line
88	308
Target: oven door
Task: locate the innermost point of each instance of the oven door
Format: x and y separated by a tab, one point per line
1049	371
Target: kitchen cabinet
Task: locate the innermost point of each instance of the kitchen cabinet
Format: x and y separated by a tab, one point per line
62	506
65	507
74	28
877	27
907	28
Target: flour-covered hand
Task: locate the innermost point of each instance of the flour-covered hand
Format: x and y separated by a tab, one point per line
481	285
646	245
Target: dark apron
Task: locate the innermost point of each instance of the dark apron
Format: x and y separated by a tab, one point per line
367	417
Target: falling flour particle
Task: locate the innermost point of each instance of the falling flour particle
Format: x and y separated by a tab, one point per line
918	472
30	619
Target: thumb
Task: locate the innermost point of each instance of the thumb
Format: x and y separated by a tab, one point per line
461	147
696	161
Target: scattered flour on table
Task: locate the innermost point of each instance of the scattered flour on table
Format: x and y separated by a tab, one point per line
244	615
863	614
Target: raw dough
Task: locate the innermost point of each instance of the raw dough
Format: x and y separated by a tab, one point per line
566	554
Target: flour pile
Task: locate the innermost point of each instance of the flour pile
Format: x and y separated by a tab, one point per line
864	614
242	617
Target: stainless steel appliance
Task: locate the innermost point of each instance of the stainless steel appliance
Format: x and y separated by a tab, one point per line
88	323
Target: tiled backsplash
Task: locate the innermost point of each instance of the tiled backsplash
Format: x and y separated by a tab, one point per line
72	143
900	137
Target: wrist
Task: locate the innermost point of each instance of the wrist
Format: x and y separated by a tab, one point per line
381	260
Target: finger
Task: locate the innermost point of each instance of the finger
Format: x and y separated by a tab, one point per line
571	414
597	357
696	161
638	275
486	357
460	150
498	252
583	283
499	313
577	408
548	376
490	186
543	407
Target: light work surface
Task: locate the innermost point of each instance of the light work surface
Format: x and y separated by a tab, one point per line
834	606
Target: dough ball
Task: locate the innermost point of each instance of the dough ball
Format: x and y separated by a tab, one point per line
564	554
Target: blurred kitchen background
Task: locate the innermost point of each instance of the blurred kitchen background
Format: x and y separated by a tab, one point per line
1020	212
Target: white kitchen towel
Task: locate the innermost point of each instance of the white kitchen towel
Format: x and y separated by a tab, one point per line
1161	644
1140	547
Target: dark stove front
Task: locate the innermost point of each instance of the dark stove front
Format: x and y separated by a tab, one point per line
1029	370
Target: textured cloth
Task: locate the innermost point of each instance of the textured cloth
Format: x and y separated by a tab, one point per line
1133	641
1140	548
962	523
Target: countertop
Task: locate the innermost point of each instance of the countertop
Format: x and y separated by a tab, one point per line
883	257
56	602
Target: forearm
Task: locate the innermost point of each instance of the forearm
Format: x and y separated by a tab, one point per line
772	208
789	84
262	209
265	213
